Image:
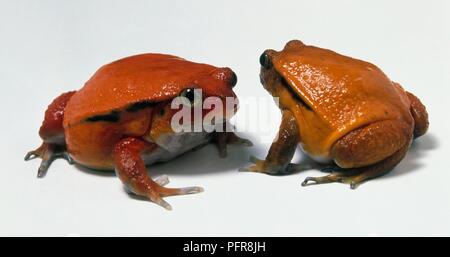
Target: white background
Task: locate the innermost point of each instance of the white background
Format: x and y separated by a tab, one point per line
48	47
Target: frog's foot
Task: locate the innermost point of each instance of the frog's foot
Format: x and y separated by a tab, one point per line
156	195
155	192
356	176
131	169
343	177
222	139
48	153
164	180
271	168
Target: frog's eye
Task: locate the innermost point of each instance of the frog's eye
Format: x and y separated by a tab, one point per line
233	79
192	95
265	61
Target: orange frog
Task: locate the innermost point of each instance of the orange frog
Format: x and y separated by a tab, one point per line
121	120
340	110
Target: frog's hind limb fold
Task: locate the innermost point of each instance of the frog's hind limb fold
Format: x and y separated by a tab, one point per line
358	162
52	134
356	176
420	115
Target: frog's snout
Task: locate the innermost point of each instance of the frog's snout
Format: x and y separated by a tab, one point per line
227	75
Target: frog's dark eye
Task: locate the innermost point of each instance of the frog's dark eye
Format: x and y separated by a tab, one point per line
189	94
192	95
265	61
233	79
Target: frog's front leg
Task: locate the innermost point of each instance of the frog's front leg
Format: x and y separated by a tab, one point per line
367	153
281	151
130	168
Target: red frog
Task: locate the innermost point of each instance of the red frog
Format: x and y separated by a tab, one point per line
121	120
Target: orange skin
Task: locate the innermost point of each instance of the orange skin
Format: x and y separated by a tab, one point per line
340	110
122	116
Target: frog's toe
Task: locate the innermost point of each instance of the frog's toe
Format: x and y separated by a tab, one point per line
337	174
45	152
263	166
351	179
157	195
31	155
48	153
164	191
189	190
43	168
162	180
247	169
41	152
241	141
161	202
319	180
257	167
66	156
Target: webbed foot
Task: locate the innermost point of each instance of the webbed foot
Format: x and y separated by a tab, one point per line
264	166
48	153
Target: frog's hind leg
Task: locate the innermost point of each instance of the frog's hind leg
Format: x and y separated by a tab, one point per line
52	134
356	176
366	153
130	168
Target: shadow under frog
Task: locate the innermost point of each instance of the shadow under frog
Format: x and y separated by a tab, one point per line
415	156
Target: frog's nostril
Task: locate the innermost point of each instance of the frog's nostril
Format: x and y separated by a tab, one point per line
265	61
233	79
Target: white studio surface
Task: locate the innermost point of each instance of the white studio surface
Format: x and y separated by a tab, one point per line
49	47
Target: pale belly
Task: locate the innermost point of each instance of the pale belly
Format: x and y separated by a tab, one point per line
173	145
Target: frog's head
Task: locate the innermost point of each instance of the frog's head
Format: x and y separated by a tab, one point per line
275	65
205	100
270	76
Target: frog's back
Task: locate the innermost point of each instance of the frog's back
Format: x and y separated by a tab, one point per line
139	78
343	91
344	94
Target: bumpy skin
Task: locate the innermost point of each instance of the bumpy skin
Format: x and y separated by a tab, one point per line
52	130
152	78
131	170
347	111
145	77
52	134
121	119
